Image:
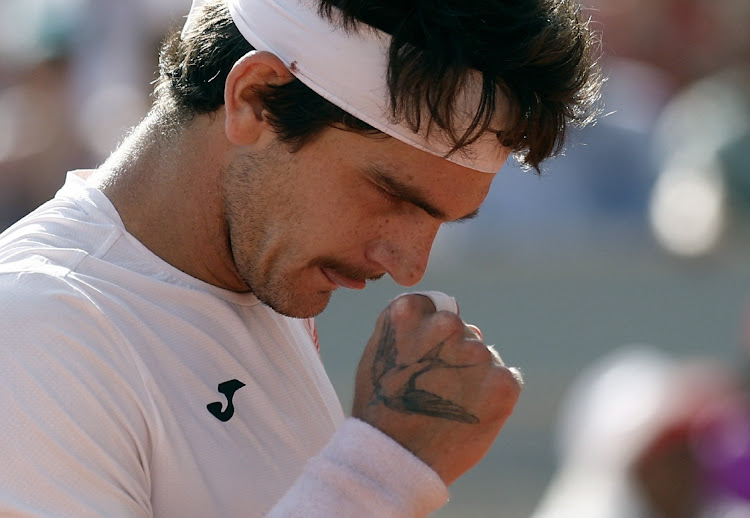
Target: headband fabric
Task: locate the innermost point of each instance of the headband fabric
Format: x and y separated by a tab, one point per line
349	69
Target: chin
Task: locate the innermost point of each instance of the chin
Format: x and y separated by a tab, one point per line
299	305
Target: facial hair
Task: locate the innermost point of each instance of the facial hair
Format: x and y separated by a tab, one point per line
260	214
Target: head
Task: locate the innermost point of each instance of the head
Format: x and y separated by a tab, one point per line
537	63
331	200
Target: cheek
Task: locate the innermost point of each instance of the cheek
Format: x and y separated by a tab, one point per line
327	230
347	217
416	235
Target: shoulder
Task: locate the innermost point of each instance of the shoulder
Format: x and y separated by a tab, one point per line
48	323
55	342
74	405
41	296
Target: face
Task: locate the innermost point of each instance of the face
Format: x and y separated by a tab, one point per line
344	209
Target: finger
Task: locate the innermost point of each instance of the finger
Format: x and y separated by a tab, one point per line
413	310
495	355
472	332
440	301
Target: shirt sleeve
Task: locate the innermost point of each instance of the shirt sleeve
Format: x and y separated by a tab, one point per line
73	434
364	473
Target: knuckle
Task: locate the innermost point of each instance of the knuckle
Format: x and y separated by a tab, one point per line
495	355
509	381
409	305
449	323
476	352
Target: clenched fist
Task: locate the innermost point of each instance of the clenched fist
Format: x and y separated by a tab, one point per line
427	380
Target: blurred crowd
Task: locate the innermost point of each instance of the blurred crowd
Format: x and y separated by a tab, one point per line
74	77
645	435
668	162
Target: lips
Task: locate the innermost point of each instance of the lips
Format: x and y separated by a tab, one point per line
342	280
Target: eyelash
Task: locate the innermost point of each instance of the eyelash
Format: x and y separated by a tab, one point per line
389	196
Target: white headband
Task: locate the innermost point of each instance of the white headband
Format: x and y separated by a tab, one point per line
349	69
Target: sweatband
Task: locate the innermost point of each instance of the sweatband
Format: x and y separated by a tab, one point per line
349	69
365	474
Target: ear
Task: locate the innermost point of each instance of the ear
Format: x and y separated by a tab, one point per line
246	120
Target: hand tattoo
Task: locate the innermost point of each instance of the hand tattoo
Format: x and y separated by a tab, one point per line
395	385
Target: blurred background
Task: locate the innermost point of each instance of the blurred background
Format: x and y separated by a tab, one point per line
618	280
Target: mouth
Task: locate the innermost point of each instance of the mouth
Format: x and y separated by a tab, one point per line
343	281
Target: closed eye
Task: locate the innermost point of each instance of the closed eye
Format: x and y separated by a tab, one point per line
388	196
400	192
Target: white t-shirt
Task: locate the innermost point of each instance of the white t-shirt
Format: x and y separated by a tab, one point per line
129	388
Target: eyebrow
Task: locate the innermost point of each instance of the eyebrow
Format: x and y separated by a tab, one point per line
413	195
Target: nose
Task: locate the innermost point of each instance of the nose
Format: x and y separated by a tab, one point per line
404	254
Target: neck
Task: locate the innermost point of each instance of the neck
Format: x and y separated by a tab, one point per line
166	185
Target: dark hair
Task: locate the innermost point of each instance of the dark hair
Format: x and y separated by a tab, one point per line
540	55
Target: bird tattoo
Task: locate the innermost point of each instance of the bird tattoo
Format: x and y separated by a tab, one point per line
395	385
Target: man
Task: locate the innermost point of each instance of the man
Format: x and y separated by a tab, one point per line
159	357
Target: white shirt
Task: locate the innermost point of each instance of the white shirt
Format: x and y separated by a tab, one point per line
129	388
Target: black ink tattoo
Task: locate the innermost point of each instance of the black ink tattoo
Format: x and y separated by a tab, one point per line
395	385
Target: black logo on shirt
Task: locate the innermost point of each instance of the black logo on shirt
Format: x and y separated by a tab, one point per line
228	388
